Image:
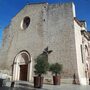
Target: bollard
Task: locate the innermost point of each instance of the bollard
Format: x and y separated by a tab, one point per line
89	81
74	79
1	82
12	84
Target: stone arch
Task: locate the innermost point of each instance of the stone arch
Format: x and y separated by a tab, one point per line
22	66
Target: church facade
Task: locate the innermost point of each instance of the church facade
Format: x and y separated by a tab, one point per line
38	26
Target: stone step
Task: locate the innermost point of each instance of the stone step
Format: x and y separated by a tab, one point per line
21	84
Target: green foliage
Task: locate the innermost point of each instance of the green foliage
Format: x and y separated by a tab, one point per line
55	68
41	65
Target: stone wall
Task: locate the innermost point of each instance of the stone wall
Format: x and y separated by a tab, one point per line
61	38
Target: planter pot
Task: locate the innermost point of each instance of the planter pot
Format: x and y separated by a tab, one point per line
56	80
38	82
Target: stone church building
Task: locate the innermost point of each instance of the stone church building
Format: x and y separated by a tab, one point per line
38	26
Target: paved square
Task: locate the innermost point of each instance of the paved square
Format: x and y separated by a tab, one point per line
51	87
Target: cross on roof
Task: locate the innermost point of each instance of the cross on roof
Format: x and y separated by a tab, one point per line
46	51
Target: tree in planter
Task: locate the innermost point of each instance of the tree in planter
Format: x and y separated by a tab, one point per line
41	67
56	71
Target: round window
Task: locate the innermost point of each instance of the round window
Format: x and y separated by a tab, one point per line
25	23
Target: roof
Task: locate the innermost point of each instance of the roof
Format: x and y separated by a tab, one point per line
86	34
37	3
78	22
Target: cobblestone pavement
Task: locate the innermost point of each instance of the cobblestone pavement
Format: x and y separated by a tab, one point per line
51	87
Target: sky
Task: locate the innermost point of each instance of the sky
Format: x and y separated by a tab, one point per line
9	8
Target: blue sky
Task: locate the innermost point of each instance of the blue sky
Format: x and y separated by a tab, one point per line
9	8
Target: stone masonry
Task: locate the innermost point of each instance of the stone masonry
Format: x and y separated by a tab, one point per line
50	25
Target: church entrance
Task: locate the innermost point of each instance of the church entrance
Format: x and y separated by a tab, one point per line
23	72
22	66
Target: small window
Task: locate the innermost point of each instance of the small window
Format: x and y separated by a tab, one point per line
82	53
25	23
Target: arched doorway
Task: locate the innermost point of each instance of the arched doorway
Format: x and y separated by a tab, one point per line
22	66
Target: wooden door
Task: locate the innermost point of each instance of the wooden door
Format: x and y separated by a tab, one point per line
23	72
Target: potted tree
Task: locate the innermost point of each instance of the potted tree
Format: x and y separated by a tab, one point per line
56	70
41	67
